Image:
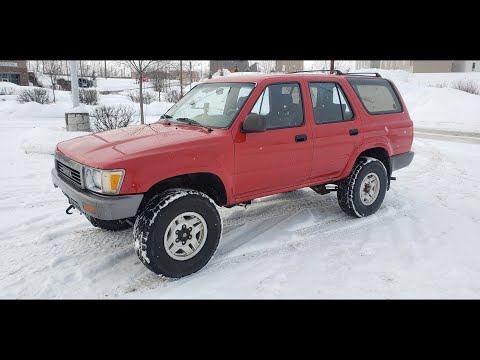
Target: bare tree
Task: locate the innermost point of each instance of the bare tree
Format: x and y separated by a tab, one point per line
140	67
267	66
320	65
341	65
158	75
53	68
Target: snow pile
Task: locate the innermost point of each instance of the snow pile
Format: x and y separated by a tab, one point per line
221	72
44	140
243	73
8	91
32	109
7	84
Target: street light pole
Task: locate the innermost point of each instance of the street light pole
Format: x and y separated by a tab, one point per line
74	83
181	78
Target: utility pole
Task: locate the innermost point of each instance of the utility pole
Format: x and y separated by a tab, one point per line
105	69
332	66
74	83
191	75
66	63
181	78
81	71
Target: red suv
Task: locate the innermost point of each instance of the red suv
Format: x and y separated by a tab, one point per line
228	141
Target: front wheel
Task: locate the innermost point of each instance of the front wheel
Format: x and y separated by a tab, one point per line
363	191
177	233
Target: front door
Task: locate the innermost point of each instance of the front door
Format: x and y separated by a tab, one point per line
280	157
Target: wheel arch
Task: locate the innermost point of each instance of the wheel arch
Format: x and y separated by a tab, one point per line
205	182
380	151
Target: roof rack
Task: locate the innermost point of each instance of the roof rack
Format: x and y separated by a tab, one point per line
338	72
364	74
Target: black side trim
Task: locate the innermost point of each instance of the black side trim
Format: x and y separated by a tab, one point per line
401	160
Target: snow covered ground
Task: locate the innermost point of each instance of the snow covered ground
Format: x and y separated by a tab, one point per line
422	243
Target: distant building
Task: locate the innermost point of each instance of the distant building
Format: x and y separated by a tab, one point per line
288	65
14	71
466	66
416	66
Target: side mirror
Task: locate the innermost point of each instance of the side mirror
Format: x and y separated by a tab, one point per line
254	123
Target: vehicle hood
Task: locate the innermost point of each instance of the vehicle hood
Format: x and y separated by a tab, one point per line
104	149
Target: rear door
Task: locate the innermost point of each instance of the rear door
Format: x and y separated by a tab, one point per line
337	129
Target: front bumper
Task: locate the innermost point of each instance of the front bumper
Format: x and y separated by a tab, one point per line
106	207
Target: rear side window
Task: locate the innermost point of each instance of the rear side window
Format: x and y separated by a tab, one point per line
329	103
377	95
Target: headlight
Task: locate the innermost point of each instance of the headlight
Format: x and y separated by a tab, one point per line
103	181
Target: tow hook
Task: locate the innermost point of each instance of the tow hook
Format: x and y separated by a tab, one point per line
68	210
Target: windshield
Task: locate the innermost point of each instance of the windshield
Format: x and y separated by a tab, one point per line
212	105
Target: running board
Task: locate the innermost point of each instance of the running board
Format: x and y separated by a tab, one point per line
323	190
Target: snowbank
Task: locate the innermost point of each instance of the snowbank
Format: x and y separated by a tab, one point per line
226	72
6	84
44	140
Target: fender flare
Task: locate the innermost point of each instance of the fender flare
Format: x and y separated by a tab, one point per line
372	143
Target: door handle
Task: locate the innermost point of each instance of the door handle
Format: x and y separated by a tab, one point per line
300	138
353	132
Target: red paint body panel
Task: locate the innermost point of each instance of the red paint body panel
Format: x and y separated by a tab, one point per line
150	153
270	160
250	165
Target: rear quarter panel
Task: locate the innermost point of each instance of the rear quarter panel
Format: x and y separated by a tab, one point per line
393	132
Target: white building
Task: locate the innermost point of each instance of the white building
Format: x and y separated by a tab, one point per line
466	65
416	66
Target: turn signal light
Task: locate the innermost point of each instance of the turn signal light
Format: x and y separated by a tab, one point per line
90	208
114	181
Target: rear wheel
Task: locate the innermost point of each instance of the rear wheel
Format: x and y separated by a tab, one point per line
112	225
363	191
177	233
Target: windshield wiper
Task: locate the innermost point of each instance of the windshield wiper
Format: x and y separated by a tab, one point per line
193	122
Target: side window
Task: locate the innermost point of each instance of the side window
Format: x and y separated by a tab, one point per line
281	104
377	95
329	103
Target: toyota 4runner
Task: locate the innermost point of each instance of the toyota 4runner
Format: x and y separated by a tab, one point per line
228	141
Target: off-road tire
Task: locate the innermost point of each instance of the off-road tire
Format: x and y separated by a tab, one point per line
152	223
112	225
348	193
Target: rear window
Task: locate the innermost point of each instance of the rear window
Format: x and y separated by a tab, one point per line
377	95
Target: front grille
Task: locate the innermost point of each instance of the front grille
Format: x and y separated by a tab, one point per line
69	174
